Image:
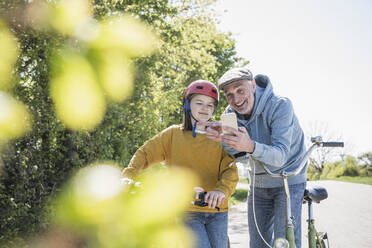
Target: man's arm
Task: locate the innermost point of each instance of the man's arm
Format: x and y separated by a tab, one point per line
282	128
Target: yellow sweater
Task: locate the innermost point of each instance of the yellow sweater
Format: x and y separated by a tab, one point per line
206	158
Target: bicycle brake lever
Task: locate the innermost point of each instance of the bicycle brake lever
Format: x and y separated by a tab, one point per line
204	204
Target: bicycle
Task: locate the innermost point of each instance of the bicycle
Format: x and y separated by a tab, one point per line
316	194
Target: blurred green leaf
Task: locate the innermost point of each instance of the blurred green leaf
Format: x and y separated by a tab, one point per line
9	53
97	207
125	34
15	119
79	101
187	47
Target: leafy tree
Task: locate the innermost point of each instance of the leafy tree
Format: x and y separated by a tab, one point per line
332	170
351	167
366	159
36	165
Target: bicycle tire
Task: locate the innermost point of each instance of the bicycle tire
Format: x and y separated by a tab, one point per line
323	245
323	236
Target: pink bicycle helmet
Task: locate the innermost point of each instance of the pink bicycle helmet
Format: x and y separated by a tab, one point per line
202	87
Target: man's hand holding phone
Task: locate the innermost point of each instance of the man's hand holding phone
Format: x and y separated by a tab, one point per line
234	136
240	141
228	132
214	130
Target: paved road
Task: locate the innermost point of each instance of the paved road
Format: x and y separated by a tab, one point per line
346	215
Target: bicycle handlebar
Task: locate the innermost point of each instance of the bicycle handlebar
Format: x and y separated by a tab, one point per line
333	144
317	142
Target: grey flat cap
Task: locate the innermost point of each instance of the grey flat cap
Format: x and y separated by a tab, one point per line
233	75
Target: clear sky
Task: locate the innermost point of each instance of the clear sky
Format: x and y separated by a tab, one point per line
317	53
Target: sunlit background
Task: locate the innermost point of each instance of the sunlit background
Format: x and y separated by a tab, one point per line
317	53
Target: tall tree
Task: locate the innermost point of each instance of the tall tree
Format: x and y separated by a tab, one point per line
366	159
35	166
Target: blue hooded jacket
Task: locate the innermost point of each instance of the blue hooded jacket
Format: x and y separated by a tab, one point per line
276	131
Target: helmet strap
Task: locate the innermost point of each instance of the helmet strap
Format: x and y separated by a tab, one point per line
194	128
187	105
188	109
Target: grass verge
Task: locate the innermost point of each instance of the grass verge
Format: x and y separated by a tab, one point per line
363	180
240	195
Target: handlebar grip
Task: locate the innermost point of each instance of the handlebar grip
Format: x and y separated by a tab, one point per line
333	144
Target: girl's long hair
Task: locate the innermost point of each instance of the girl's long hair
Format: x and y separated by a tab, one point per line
186	125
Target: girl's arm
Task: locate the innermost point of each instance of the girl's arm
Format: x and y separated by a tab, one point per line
228	176
152	152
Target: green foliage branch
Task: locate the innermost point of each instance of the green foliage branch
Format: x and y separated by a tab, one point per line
37	165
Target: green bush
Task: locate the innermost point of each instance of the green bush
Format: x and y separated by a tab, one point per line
351	167
332	170
362	180
35	166
351	170
312	173
363	172
369	171
238	196
337	171
327	168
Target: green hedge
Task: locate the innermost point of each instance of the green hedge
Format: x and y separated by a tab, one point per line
36	166
336	170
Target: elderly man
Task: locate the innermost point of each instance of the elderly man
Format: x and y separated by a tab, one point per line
269	132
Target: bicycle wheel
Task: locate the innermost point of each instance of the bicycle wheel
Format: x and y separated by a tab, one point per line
323	245
322	237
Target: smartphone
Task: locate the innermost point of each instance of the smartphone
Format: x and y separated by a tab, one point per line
229	120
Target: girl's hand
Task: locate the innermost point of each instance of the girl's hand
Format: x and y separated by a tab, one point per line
126	183
214	198
213	130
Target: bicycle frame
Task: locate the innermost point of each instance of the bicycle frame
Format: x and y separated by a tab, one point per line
313	236
315	239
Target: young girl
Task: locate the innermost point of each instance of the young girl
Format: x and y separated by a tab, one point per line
185	145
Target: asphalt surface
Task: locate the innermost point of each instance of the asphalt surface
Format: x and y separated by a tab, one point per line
346	215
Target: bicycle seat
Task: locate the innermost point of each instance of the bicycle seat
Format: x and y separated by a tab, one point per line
315	194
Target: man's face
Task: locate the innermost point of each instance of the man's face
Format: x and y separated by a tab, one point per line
240	96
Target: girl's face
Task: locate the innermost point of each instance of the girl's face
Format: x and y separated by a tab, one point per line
202	107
